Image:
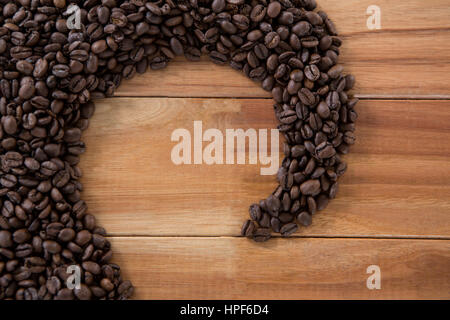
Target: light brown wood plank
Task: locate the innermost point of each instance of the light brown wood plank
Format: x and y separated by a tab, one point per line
350	15
236	268
408	57
397	184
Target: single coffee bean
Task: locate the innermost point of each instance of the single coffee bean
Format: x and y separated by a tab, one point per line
248	229
304	218
261	235
274	9
51	246
310	187
5	239
9	124
21	236
288	229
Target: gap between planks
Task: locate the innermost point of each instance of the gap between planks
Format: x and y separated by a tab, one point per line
360	97
330	237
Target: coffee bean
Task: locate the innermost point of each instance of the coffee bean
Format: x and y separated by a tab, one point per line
64	294
255	212
274	9
304	218
5	239
322	202
66	235
51	246
91	267
106	284
302	28
99	46
9	124
21	236
286	18
306	97
310	187
176	46
272	40
72	135
323	110
83	237
273	205
258	12
335	71
312	205
288	116
288	229
325	150
218	5
312	72
83	292
261	235
53	285
248	229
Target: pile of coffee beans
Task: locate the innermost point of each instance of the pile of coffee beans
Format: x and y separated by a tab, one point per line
58	55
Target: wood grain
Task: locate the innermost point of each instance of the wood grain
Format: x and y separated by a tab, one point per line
236	268
397	184
407	58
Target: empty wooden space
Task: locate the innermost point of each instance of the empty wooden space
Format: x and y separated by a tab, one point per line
174	228
397	184
235	268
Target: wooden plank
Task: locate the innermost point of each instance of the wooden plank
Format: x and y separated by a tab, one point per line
407	15
236	268
397	185
408	57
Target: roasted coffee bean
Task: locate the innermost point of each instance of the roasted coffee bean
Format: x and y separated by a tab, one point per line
258	12
83	292
21	236
5	239
273	205
261	234
9	124
322	202
325	150
288	229
323	110
248	229
312	72
288	116
255	212
51	246
306	97
335	71
66	235
274	9
310	187
304	218
272	40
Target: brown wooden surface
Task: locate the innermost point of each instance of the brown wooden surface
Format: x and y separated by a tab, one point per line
234	268
174	228
397	184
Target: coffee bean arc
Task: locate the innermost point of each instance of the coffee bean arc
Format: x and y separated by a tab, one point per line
50	74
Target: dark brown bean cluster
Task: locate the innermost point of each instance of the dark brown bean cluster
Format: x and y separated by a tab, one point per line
50	71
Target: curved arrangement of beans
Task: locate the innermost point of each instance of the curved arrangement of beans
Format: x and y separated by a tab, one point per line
56	56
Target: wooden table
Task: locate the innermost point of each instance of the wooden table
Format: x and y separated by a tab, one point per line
174	229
